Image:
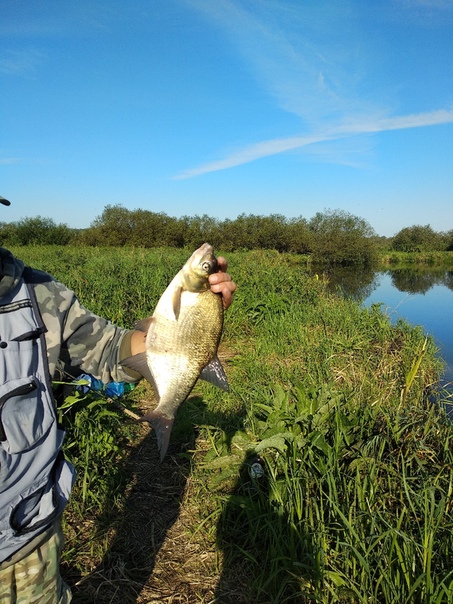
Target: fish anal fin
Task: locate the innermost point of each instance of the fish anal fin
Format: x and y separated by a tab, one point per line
162	426
215	374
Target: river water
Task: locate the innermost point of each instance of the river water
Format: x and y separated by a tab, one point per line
421	296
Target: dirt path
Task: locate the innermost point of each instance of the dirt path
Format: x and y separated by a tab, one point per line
153	550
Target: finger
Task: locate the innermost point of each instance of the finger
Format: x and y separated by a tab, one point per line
219	278
226	289
222	264
227	297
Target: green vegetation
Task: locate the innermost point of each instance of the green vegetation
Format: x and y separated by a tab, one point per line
35	231
430	259
421	239
343	239
354	503
332	237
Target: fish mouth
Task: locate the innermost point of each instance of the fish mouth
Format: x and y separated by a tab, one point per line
209	261
206	249
213	265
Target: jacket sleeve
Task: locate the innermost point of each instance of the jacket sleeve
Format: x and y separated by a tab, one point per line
78	338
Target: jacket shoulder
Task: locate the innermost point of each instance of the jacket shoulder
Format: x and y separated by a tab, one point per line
36	277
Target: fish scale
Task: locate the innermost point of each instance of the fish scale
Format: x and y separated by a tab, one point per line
195	336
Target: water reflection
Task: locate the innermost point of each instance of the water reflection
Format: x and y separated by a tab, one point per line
420	295
449	280
420	281
360	282
354	282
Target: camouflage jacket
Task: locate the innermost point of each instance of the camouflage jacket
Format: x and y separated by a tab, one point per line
35	479
77	340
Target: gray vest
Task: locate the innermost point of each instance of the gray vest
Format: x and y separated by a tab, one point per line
35	480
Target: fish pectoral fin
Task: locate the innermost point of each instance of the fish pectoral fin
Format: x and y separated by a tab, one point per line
143	324
176	301
162	426
139	363
215	374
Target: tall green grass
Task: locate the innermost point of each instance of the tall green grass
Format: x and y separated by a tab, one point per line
355	502
421	258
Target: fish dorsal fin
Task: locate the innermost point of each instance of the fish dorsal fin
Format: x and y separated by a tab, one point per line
176	301
139	363
143	324
214	374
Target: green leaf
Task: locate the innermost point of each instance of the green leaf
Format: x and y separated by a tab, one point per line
336	578
317	440
277	441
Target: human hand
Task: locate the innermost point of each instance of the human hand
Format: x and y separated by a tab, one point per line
221	282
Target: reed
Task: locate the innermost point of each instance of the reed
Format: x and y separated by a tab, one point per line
410	258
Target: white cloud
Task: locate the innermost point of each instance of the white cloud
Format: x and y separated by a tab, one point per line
15	62
318	64
9	161
345	130
307	59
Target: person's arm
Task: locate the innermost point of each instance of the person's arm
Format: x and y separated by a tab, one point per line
90	343
78	341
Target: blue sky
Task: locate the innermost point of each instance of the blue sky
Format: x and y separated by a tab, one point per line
224	107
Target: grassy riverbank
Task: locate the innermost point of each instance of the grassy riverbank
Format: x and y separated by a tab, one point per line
420	258
353	499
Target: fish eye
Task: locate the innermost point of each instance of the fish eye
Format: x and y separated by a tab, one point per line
206	266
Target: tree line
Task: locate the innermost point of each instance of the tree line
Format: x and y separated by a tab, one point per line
333	236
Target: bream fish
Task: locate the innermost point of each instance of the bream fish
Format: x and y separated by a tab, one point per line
182	338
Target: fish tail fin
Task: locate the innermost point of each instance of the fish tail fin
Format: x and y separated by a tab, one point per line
162	426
